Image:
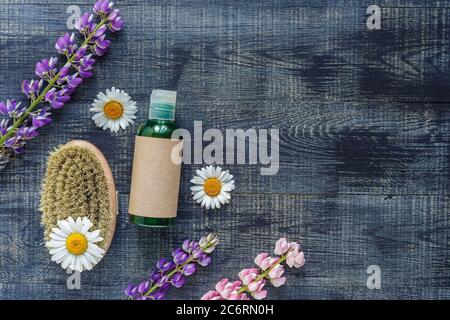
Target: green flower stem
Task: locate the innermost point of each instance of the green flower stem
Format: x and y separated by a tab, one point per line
178	268
265	274
50	85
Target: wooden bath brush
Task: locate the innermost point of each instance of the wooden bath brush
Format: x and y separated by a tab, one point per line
79	205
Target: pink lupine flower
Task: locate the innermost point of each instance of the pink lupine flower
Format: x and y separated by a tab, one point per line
268	262
238	296
220	286
278	282
248	275
226	288
212	295
281	246
295	257
263	261
256	289
276	276
256	285
294	246
276	272
253	280
260	258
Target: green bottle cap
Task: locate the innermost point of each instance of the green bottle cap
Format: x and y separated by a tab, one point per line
162	105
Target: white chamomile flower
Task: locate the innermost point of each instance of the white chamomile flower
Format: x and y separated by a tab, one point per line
73	246
114	110
212	187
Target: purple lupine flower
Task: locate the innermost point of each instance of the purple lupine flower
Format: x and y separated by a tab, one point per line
144	286
155	275
68	82
86	64
57	98
12	108
204	260
85	24
165	265
32	88
157	296
81	53
59	84
72	80
42	118
15	145
131	290
65	70
83	63
178	280
4	125
179	256
165	286
176	251
115	21
189	246
162	281
100	31
101	46
184	264
27	133
17	142
103	7
197	252
189	269
46	68
66	44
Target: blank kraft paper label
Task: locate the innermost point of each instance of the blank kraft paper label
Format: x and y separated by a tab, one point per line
155	179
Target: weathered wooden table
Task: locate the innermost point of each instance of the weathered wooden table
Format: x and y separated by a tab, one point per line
364	132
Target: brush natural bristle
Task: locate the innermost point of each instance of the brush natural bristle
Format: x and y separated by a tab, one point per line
75	185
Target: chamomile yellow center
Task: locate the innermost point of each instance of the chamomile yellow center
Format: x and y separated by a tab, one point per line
76	244
212	187
113	110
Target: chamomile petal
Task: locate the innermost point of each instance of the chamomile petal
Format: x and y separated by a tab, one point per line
201	174
196	188
217	202
59	232
198	180
199	195
87	224
64	226
56	237
67	261
58	255
85	263
56	250
54	244
221	198
226	195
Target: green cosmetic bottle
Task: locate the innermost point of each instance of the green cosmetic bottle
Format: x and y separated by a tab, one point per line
155	177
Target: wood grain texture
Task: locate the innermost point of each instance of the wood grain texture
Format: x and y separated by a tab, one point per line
364	141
